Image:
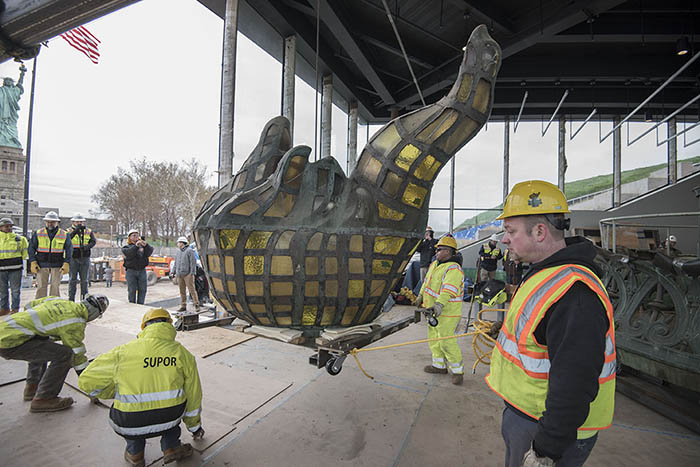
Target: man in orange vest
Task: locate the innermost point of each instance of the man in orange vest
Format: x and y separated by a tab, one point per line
554	362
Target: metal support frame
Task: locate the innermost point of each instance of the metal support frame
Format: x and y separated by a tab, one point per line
571	125
667	118
562	164
551	119
352	136
326	115
452	194
672	151
228	92
520	112
658	90
288	80
686	144
617	163
506	156
676	135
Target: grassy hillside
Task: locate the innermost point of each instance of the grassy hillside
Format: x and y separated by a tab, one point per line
581	188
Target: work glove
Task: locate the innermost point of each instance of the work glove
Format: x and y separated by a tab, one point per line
436	310
79	372
34	267
531	459
65	268
418	301
199	434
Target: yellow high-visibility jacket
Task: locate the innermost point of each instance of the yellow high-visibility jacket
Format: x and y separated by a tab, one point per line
444	283
52	317
154	383
13	249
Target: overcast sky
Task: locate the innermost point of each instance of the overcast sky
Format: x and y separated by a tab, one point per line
156	94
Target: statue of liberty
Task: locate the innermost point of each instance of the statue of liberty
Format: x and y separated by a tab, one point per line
10	94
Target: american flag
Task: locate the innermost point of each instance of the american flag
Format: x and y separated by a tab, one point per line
83	40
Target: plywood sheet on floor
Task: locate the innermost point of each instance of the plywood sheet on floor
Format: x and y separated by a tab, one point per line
12	370
207	341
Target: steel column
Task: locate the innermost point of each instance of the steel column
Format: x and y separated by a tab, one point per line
562	164
288	79
452	194
352	135
326	111
506	156
228	92
617	163
672	152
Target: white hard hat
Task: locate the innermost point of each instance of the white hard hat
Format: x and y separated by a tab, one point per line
6	221
672	238
78	218
183	240
51	216
428	228
132	231
494	237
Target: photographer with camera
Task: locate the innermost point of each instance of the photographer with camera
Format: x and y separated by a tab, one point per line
83	240
136	254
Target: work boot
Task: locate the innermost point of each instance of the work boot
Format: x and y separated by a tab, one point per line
29	391
182	308
432	369
457	379
51	405
137	460
4	312
175	454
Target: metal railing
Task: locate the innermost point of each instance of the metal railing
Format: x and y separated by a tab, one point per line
622	221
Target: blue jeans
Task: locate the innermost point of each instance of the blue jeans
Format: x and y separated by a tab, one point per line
136	282
82	266
10	284
519	432
169	440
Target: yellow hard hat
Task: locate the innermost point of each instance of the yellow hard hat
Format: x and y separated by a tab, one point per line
447	240
155	313
534	197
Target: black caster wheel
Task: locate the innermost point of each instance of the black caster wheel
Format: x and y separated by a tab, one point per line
331	369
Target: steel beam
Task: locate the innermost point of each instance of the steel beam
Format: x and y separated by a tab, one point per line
562	164
352	136
338	28
326	113
506	156
672	152
228	92
617	164
288	81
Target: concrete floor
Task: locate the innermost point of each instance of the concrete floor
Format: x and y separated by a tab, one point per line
404	417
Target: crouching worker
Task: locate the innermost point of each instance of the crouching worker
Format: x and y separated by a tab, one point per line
26	336
155	384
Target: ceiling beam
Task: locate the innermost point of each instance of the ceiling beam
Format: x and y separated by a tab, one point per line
608	38
341	32
484	12
393	50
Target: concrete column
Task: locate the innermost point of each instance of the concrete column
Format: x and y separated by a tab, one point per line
228	92
326	111
352	135
562	164
672	152
452	194
617	163
506	156
288	79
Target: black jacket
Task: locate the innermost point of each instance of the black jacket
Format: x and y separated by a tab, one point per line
427	251
136	257
573	329
89	241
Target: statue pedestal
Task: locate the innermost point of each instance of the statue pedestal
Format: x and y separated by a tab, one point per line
12	162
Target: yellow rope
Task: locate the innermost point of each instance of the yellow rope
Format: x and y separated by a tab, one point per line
481	335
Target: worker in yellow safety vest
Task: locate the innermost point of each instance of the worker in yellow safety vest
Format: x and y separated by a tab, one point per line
554	362
28	336
442	295
83	240
50	251
13	249
155	384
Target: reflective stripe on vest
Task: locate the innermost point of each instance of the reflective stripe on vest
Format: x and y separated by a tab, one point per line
456	293
75	239
47	245
144	430
10	320
517	347
493	253
149	397
45	328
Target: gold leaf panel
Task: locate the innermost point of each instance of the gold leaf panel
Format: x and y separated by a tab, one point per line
246	208
385	212
368	309
356	266
392	183
348	315
427	169
214	263
369	167
258	239
231	287
388	245
257	308
228	238
356	243
254	288
465	129
332	240
356	289
284	240
264	320
311	265
228	265
328	315
481	98
281	289
311	289
253	265
315	241
292	177
281	266
382	266
308	318
406	157
284	320
281	206
386	139
465	88
414	195
332	288
438	127
331	266
218	285
376	288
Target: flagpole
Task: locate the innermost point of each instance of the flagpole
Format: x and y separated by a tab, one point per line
25	214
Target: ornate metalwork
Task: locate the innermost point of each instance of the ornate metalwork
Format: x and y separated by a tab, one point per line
657	314
292	243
